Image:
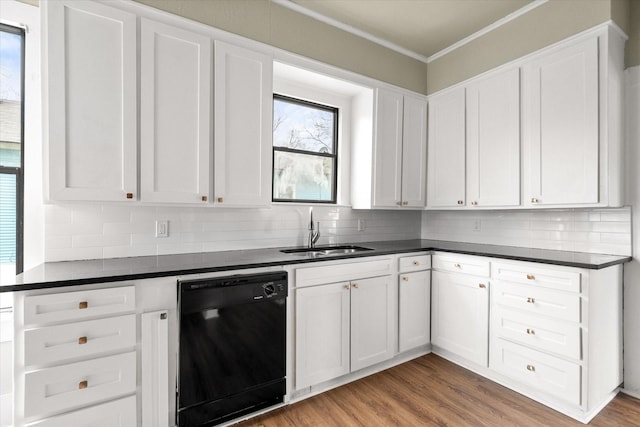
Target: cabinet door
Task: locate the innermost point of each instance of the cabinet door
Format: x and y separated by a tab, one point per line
372	321
561	127
243	128
446	150
388	149
175	80
460	315
493	140
92	101
414	152
322	333
414	292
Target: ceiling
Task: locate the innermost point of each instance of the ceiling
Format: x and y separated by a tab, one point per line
422	27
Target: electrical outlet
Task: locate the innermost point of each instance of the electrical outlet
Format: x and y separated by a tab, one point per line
476	225
162	228
361	225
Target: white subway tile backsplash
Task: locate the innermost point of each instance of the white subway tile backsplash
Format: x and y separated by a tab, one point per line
585	230
106	231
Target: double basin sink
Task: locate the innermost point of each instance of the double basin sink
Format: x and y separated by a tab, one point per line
326	250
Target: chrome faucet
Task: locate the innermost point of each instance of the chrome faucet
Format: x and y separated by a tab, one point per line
314	232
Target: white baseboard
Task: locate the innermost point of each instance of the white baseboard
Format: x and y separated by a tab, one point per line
632	393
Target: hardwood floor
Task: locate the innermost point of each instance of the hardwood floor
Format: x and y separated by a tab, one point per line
431	391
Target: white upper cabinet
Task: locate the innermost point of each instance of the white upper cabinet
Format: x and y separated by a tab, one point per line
387	186
414	152
243	107
175	112
446	155
493	140
562	105
91	89
400	142
561	133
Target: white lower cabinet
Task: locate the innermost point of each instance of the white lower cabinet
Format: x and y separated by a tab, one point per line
61	388
414	302
344	326
322	333
554	375
460	315
118	413
554	334
75	357
372	323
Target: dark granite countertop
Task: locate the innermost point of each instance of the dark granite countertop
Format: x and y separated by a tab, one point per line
70	273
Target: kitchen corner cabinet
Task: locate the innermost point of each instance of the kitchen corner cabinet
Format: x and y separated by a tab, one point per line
175	114
400	150
460	307
92	140
474	144
243	104
346	325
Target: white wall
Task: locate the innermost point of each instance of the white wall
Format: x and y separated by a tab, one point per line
632	269
605	231
75	231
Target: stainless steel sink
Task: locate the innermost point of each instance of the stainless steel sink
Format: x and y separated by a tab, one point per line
326	250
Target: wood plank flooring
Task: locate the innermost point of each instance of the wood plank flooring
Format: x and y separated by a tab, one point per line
431	391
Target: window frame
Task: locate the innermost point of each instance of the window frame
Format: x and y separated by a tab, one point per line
334	155
18	171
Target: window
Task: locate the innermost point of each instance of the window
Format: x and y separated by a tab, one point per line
305	147
11	149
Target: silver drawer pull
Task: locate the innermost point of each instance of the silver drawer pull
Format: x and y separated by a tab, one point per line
531	331
531	300
531	368
82	340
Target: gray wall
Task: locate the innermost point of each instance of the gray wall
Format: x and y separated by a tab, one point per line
278	26
544	25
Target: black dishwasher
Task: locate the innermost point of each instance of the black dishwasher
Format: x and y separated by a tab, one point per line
232	347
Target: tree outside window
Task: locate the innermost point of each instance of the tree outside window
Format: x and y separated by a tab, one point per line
304	151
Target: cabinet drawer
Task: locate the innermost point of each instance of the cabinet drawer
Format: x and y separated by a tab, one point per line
542	371
461	264
536	276
83	339
119	413
408	264
559	337
560	305
67	387
342	272
60	307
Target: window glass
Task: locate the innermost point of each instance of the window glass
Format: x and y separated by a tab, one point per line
304	151
11	149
